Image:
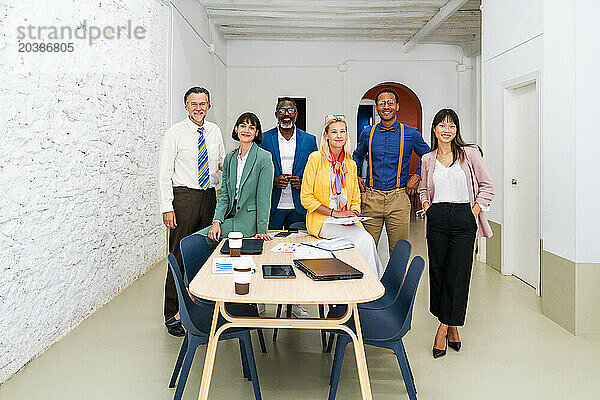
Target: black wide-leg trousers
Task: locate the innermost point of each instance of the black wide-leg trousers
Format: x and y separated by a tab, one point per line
194	210
451	230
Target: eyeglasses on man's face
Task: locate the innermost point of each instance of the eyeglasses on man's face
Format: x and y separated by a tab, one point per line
383	103
283	111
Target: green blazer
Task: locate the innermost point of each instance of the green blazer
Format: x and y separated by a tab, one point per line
253	206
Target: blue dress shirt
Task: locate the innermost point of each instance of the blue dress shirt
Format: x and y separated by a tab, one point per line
385	154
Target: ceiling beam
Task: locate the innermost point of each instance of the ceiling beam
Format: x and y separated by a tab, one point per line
322	36
303	5
349	30
445	12
303	15
335	23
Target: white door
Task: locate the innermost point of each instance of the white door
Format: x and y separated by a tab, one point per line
526	187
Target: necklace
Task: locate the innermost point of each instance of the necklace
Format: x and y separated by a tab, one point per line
444	158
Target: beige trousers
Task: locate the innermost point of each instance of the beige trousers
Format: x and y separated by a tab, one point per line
391	207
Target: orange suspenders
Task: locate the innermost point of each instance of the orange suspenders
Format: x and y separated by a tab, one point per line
399	158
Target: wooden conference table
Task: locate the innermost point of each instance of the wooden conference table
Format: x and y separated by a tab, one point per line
301	290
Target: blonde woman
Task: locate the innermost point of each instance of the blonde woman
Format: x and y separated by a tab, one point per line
330	189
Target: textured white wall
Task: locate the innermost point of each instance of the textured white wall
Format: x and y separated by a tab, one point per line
78	168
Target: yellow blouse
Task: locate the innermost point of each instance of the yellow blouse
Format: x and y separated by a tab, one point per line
315	189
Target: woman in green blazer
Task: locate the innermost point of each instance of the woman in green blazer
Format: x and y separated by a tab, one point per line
244	203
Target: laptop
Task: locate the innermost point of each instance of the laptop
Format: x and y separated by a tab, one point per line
327	269
249	246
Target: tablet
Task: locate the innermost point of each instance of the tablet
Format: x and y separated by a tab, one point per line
278	271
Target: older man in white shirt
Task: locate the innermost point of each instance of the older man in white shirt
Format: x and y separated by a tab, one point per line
191	168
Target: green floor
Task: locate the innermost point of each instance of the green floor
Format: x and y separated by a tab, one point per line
510	351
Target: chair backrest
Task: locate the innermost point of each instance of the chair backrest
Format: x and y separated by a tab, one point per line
195	317
194	253
396	267
300	226
392	322
403	305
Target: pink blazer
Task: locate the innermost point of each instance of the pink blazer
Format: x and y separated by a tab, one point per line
477	175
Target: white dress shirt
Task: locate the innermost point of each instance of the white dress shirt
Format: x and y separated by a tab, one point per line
450	184
240	169
179	159
287	152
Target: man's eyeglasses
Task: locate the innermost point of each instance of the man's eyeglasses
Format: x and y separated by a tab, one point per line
383	103
283	111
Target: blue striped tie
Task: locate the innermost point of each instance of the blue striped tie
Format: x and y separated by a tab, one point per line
203	171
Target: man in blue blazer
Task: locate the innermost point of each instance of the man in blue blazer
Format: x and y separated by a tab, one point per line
290	148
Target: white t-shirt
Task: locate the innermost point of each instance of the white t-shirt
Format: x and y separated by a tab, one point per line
287	152
240	168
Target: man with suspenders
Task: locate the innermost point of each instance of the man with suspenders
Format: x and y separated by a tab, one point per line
387	146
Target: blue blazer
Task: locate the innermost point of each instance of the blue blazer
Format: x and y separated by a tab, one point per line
305	144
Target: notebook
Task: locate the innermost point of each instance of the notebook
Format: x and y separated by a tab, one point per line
327	269
249	246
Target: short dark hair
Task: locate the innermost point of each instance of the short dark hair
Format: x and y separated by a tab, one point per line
252	119
197	90
386	90
281	100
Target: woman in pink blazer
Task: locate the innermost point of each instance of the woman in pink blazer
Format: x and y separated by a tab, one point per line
456	189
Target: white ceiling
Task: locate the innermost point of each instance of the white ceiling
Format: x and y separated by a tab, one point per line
411	21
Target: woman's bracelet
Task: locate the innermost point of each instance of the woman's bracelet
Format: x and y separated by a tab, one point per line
331	212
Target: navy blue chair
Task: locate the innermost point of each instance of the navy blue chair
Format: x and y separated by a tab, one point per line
194	253
385	328
393	276
298	226
196	318
392	280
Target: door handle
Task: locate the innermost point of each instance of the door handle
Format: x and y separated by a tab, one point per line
513	181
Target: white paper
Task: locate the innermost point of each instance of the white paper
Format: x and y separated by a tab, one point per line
345	221
298	234
331	244
311	252
224	265
286	247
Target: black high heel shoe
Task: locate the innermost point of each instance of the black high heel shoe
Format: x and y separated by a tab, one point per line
454	345
437	353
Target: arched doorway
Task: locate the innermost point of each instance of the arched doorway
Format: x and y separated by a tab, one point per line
410	114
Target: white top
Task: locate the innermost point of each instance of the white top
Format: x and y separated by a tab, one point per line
240	168
450	184
287	151
179	159
332	200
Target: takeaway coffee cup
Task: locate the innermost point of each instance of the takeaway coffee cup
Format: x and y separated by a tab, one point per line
235	244
241	277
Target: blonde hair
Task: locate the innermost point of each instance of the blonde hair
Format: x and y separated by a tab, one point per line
324	147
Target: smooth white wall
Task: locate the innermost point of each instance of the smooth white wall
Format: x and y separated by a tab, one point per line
558	39
80	136
559	110
509	23
261	71
587	101
191	62
511	47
